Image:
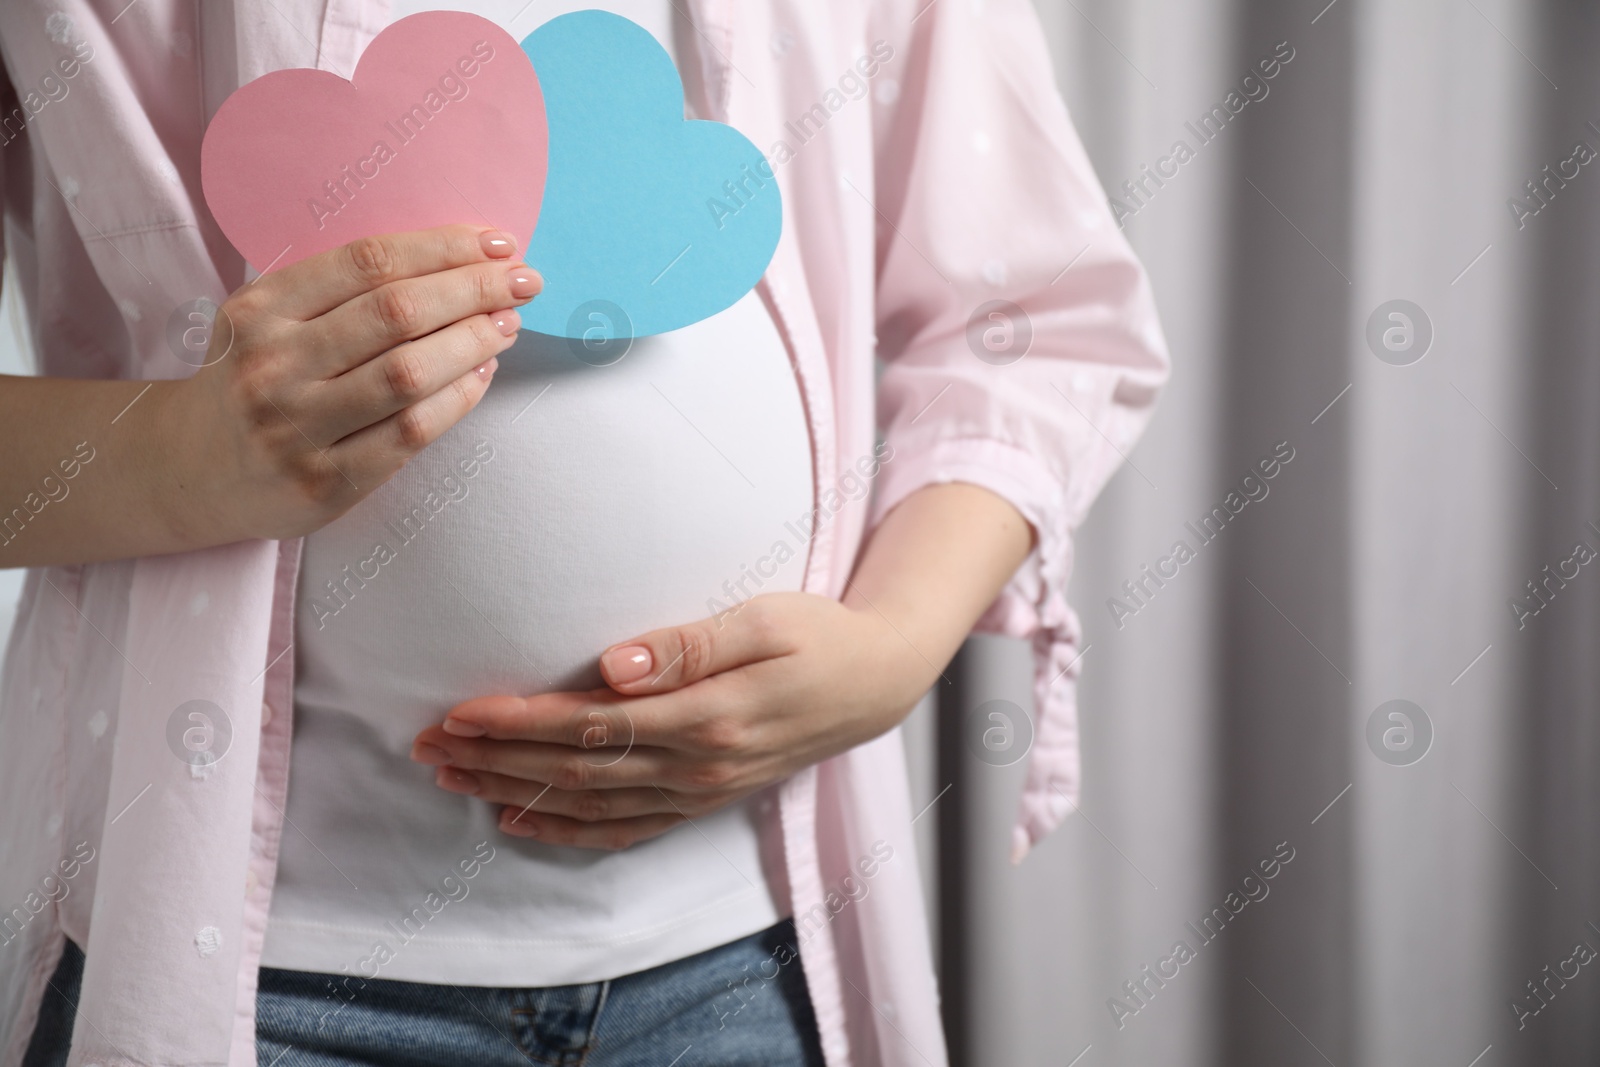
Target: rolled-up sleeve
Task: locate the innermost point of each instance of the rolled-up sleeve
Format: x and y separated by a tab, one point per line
1021	348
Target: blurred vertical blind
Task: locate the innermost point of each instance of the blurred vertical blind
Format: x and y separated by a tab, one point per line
1434	891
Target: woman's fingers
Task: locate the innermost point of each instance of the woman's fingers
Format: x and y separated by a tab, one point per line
716	720
668	659
376	321
406	375
371	456
567	768
611	836
318	284
584	805
594	720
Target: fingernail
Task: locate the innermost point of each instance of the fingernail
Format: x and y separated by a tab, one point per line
627	664
524	282
463	728
456	781
496	244
432	755
517	825
507	322
486	370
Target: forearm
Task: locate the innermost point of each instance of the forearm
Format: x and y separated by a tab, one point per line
333	373
83	478
935	564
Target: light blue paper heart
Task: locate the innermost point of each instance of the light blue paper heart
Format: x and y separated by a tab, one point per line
650	222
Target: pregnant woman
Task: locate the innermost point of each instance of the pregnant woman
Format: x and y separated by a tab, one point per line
397	687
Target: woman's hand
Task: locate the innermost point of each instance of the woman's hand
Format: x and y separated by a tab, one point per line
699	716
326	377
321	380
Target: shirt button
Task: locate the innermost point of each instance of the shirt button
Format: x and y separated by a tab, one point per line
266	713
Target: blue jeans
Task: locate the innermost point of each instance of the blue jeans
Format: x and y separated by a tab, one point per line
744	1004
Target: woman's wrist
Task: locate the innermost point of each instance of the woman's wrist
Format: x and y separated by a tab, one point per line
892	663
930	569
934	565
86	472
173	449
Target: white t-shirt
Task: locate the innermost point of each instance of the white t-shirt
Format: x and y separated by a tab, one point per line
577	506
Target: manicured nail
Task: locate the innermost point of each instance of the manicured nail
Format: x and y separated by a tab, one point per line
628	664
486	370
517	825
524	283
432	755
456	781
463	728
496	244
507	322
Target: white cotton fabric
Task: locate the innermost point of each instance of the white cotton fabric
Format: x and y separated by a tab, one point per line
577	506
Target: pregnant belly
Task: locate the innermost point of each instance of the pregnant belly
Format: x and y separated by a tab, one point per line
577	506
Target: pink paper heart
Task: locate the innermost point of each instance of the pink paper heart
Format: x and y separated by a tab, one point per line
443	122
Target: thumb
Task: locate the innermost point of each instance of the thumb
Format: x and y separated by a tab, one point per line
671	658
